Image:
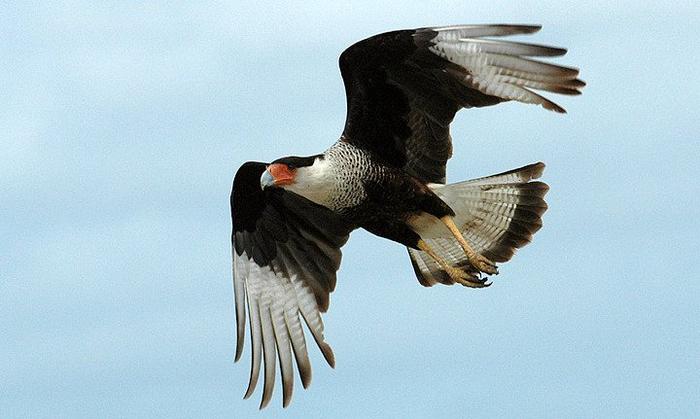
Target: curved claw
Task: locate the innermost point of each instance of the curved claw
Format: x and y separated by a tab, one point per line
478	284
466	278
483	264
478	279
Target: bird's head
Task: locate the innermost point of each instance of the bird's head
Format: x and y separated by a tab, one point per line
307	176
287	171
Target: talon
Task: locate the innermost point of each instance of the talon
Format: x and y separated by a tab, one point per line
480	283
469	278
477	284
466	279
483	264
478	280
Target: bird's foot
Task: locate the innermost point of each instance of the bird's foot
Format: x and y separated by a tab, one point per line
467	279
482	263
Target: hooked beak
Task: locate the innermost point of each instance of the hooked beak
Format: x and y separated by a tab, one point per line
266	180
277	174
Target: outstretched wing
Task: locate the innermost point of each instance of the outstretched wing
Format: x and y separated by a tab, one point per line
286	251
403	88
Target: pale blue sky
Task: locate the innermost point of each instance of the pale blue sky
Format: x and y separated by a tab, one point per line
122	127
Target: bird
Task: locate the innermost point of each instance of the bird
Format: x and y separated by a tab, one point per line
387	174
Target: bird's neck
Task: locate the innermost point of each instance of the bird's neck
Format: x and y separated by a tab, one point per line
316	182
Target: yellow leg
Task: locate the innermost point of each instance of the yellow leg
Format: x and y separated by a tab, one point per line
479	262
459	276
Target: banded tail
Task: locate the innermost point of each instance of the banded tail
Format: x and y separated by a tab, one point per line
496	214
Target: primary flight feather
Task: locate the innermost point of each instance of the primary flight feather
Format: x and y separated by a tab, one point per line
386	174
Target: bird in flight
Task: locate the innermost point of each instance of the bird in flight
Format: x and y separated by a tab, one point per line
386	174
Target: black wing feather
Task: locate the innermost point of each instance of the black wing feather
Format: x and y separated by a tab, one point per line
286	252
403	88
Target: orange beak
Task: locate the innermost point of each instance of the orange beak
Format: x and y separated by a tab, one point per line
281	174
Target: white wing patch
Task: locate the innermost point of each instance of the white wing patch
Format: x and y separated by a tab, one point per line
498	68
274	302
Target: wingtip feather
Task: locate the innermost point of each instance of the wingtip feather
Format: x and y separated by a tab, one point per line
239	352
551	106
535	170
249	392
327	353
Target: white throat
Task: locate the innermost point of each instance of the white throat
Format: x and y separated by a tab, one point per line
316	183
